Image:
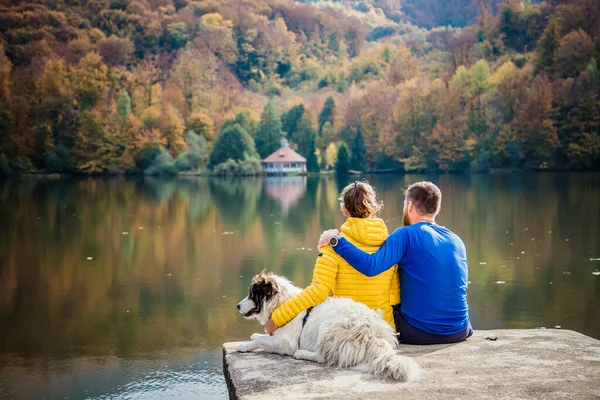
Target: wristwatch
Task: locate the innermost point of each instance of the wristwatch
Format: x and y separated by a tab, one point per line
334	241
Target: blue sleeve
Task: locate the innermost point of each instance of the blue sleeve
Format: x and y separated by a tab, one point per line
388	255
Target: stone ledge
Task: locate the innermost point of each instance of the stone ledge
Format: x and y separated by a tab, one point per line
523	364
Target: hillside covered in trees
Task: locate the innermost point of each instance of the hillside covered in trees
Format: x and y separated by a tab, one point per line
118	86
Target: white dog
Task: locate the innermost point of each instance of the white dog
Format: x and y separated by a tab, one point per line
338	332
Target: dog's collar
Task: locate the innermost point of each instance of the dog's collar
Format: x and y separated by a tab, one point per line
304	323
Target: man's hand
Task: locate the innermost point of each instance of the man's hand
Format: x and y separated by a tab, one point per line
325	236
270	327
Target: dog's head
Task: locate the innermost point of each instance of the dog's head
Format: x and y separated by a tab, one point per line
263	297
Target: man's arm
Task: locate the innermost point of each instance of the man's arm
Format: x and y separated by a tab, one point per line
390	253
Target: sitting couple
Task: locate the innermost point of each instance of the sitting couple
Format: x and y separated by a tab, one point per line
422	264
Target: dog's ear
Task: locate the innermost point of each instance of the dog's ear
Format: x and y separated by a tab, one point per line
262	288
270	287
259	278
267	283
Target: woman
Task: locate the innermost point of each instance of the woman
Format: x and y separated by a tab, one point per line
333	276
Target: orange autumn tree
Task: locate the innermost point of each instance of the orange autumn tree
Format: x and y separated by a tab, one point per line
536	130
7	121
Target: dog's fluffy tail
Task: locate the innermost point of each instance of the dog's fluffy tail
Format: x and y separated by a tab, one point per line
387	363
368	348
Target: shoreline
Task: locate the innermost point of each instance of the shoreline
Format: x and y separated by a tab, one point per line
498	171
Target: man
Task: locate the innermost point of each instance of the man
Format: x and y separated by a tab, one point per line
433	270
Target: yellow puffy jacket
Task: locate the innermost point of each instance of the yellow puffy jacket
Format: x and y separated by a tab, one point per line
334	276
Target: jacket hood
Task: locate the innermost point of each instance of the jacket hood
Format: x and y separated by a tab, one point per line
367	231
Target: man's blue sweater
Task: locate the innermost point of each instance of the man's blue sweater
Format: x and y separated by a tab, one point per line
433	274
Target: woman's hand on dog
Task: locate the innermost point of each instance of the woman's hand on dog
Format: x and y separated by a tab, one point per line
270	327
325	236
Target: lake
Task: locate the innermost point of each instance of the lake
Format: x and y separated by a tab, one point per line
126	288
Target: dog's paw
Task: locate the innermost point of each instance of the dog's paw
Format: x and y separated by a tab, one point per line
301	354
244	347
255	336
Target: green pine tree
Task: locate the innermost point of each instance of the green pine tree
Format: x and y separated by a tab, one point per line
233	142
358	160
303	136
546	47
592	72
346	134
7	128
269	132
326	113
124	105
312	163
290	121
244	121
342	165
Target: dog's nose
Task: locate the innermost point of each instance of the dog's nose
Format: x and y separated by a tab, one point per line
238	306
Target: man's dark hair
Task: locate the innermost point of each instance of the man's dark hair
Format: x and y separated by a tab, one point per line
426	196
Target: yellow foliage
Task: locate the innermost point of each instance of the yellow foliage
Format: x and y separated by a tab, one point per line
503	73
217	34
149	138
195	74
202	124
331	154
403	66
448	146
90	78
54	82
151	118
5	68
214	20
172	128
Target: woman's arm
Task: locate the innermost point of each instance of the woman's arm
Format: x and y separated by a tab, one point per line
390	253
326	269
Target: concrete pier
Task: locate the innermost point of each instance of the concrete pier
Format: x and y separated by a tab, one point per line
520	364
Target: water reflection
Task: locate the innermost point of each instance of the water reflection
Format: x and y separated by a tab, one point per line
98	277
286	190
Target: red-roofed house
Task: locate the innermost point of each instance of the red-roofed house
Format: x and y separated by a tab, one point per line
284	161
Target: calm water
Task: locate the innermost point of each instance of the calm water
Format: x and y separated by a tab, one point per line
127	288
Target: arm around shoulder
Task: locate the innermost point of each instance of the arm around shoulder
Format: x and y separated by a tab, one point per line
389	254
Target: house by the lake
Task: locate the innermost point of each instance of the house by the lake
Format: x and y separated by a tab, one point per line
284	161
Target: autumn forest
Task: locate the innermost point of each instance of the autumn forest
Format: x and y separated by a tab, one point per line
170	86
